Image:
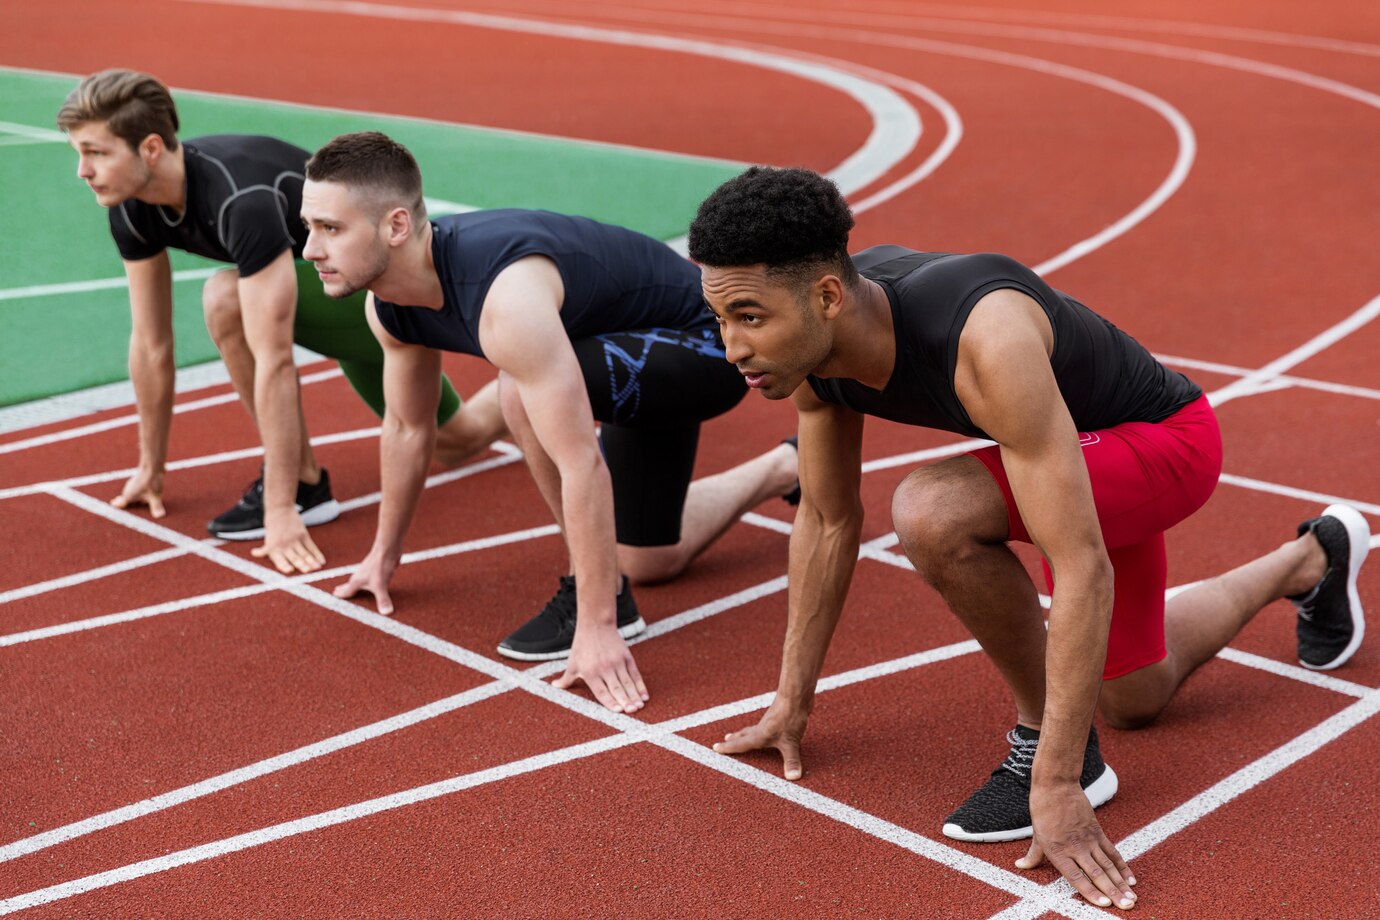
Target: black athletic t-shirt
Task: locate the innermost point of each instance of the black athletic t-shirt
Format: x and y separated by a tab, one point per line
1105	376
615	279
244	205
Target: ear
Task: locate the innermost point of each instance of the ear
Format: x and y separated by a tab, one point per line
830	292
397	226
151	149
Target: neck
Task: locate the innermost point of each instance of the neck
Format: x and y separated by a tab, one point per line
411	279
864	338
167	183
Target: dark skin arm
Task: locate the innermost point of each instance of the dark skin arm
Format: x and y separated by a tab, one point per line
823	554
1005	382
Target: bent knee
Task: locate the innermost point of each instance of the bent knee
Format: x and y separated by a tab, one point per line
649	565
220	302
940	509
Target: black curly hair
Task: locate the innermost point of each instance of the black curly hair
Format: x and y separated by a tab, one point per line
794	221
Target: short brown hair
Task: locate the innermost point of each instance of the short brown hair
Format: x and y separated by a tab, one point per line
133	105
376	164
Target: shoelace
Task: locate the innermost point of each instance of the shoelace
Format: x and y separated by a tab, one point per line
1022	756
562	607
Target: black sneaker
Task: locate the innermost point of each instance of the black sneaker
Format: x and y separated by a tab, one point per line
548	635
1331	620
793	497
1000	810
245	521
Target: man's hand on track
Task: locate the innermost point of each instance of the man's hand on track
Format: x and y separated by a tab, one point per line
288	545
145	487
1068	833
600	658
781	728
372	575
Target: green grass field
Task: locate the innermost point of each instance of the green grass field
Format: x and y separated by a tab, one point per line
58	341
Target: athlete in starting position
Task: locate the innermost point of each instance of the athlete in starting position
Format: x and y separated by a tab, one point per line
980	345
584	321
233	198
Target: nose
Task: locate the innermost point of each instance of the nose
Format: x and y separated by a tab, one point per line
84	169
736	350
312	250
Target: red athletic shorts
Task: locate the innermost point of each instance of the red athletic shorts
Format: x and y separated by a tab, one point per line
1146	477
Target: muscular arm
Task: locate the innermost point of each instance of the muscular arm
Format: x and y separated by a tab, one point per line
520	331
268	304
1005	381
411	389
823	555
152	371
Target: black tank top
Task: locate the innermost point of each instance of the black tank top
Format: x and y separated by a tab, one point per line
1105	376
615	279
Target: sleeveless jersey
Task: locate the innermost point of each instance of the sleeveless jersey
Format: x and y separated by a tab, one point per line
1105	376
615	279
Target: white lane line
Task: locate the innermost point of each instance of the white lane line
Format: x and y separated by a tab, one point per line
95	284
1214	797
125	421
214	784
305	825
1167	26
1291	492
1319	343
86	575
32	133
1296	672
896	124
262	586
873	826
1308	383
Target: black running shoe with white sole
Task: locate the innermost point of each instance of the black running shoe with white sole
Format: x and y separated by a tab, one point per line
1000	809
548	635
1331	621
245	521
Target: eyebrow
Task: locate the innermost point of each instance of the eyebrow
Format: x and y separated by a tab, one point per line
740	302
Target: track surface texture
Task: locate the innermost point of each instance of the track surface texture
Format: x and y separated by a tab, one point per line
183	733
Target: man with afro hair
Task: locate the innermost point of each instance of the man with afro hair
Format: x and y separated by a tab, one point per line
1099	449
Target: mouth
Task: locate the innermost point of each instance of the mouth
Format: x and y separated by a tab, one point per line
754	380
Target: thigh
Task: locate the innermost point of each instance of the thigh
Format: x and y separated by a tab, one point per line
658	378
1146	477
650	469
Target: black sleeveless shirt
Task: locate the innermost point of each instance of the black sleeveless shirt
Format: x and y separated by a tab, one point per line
1105	376
615	279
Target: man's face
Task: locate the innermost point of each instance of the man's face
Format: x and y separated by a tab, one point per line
344	240
772	333
114	170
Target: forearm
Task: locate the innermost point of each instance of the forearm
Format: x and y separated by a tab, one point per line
823	556
404	452
587	506
152	371
275	405
1080	617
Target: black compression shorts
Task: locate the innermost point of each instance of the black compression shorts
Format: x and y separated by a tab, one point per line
651	389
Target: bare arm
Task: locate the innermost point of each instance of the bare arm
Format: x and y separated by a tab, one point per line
268	304
823	555
520	331
1005	382
411	390
152	371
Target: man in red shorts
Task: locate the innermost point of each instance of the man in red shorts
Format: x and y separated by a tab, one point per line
980	345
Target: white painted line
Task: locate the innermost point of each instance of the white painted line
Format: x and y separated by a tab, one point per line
874	826
1319	343
1295	672
95	284
87	575
1305	494
252	771
507	454
313	823
920	456
124	421
32	133
895	123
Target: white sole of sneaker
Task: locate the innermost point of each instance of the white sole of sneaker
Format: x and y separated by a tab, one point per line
635	628
1358	534
1099	792
323	513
